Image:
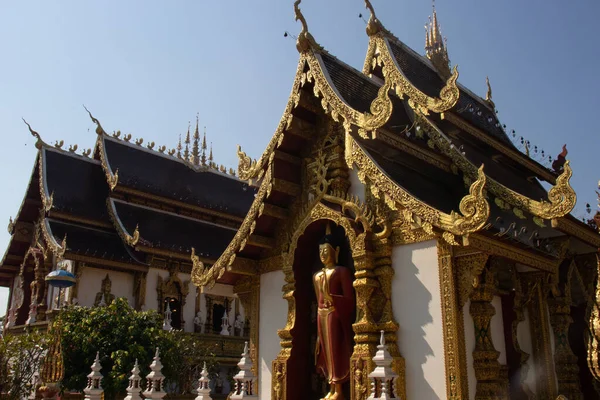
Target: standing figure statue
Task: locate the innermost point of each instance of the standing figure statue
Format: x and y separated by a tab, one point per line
336	304
238	326
199	323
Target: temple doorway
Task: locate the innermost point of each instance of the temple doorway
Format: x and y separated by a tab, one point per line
304	333
217	314
175	307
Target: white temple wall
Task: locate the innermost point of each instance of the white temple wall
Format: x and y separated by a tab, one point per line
524	338
497	330
416	301
357	188
469	347
272	316
90	283
151	282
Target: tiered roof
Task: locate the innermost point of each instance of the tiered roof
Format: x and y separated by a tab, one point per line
126	204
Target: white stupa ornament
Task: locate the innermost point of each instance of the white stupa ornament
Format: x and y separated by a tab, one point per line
167	322
383	378
225	324
93	390
245	381
155	380
204	385
134	388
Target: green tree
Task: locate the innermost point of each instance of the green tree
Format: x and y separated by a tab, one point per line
121	335
20	358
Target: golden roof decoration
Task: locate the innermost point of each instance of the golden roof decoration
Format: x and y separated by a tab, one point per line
311	70
474	208
305	41
562	197
39	143
380	54
488	95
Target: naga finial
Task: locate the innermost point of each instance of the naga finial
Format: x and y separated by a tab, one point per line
305	40
373	26
99	129
488	95
39	142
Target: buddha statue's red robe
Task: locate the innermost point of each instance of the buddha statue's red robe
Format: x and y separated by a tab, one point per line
335	299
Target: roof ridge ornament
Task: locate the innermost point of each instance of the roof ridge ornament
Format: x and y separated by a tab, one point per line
488	95
374	26
99	129
305	41
39	143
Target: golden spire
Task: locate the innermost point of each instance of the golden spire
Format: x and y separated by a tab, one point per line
305	40
195	150
179	147
186	152
204	149
210	155
488	95
435	47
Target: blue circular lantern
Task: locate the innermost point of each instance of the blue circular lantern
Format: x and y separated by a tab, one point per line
61	279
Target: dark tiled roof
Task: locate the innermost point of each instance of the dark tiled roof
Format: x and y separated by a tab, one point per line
162	176
443	193
522	231
172	232
359	91
501	174
92	242
421	74
78	184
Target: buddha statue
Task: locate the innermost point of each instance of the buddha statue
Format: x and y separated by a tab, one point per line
336	304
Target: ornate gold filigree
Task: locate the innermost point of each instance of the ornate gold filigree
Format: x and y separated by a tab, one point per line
473	207
562	196
593	342
380	54
340	111
456	382
113	180
469	268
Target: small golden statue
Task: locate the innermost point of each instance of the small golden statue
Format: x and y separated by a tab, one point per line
336	304
104	295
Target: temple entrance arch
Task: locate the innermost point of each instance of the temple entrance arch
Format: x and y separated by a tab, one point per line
293	371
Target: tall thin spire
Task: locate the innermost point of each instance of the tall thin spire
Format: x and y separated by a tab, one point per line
186	152
204	148
210	156
179	147
195	150
435	46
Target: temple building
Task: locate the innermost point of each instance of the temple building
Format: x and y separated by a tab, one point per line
389	199
403	183
124	218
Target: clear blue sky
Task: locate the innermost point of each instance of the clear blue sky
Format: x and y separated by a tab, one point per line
147	67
